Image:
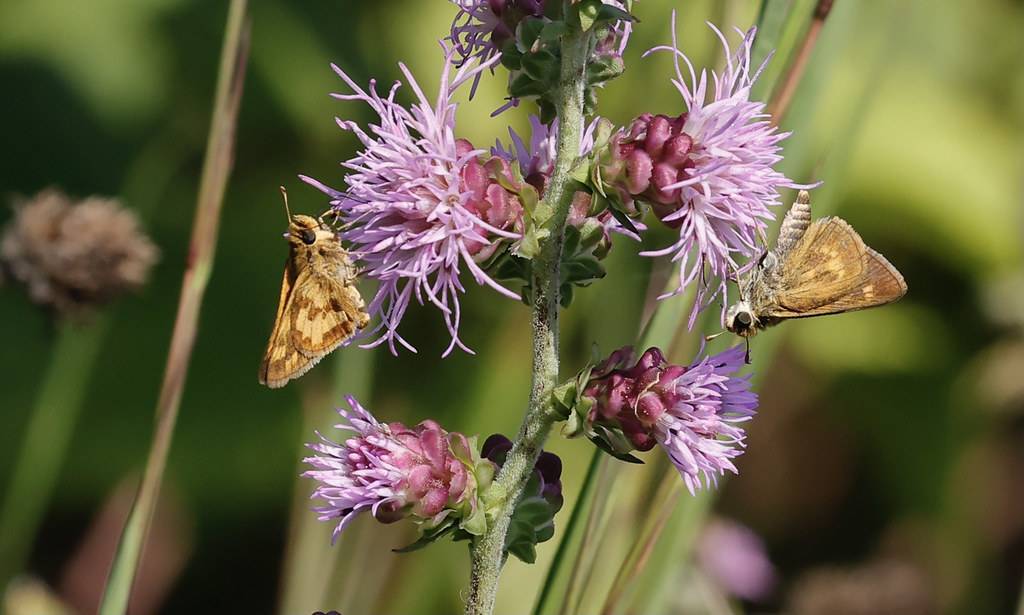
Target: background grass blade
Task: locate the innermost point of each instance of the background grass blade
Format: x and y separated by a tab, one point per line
216	169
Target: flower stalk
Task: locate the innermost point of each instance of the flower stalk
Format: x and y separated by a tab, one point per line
213	184
488	553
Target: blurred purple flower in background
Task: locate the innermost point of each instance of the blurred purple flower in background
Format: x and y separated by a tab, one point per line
419	205
708	172
735	558
394	472
693	412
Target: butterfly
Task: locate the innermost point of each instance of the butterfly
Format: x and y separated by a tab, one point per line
817	268
320	306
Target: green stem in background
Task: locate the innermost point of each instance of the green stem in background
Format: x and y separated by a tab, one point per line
488	551
563	545
783	96
311	564
216	169
47	434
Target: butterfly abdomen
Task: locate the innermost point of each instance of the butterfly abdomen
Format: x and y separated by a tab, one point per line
795	224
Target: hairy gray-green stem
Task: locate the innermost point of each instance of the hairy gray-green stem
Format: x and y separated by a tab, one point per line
488	554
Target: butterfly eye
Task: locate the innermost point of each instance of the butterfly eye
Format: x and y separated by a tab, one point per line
308	236
743	318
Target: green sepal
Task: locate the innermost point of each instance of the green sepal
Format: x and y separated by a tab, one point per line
604	69
589	12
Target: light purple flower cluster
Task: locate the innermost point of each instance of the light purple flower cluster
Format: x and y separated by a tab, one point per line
394	472
420	204
693	412
708	172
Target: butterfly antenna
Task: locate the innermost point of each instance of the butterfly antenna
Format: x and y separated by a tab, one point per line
739	284
284	195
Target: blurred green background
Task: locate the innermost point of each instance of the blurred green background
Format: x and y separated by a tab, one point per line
895	432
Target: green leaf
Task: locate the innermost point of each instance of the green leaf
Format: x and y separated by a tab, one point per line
541	65
545	533
612	13
525	551
523	85
553	31
528	32
566	292
584	270
548	113
511	58
572	241
534	511
604	69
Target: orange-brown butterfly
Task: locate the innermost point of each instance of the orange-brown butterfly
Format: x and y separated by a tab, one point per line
817	268
320	306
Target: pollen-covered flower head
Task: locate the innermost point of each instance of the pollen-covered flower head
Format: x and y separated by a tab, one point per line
693	412
709	171
421	206
394	471
75	256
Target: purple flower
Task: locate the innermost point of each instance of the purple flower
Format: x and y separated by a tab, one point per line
708	172
736	559
693	412
419	204
394	472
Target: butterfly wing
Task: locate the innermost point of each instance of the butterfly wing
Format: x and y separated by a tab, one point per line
282	361
326	312
830	270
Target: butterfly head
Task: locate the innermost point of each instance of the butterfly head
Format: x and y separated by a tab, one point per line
740	319
306	230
